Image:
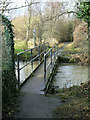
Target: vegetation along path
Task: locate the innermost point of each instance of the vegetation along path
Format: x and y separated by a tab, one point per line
33	104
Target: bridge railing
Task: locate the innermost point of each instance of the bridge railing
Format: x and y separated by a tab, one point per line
40	50
49	63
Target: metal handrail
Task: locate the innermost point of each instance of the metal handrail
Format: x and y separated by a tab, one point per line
53	56
32	48
31	61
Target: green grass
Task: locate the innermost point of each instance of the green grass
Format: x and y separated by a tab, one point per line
18	50
20	46
71	49
76	102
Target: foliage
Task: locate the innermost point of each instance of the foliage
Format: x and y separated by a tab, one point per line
9	82
80	35
7	44
20	27
84	11
63	30
21	24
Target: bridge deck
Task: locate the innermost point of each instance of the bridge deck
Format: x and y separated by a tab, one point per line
32	103
35	83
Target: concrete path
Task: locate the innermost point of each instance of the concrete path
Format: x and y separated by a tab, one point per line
33	104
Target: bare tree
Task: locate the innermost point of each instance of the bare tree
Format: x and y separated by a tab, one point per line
4	5
29	21
30	3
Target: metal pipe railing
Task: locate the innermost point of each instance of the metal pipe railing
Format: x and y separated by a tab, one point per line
53	57
33	48
46	45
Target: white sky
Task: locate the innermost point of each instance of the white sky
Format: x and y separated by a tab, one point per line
19	12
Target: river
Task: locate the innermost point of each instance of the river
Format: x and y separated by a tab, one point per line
26	71
67	74
70	74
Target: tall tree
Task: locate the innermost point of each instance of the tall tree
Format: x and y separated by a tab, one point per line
29	21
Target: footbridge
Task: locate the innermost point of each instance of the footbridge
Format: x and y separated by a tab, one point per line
42	63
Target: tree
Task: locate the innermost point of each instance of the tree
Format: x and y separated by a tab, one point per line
20	27
63	30
4	5
83	11
29	22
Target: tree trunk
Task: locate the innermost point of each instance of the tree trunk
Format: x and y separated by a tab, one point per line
28	28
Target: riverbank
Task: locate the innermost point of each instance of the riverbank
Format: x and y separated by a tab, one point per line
76	98
77	55
75	102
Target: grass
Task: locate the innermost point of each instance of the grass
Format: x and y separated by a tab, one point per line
70	49
20	46
76	102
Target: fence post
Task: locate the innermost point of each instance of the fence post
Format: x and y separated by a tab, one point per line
39	53
44	69
31	61
18	72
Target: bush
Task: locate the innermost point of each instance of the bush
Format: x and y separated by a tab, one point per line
63	31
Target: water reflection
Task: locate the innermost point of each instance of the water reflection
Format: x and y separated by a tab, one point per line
70	74
26	71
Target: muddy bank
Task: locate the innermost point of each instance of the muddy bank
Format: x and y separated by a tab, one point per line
76	102
79	59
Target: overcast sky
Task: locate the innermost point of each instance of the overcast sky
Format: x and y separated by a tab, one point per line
19	12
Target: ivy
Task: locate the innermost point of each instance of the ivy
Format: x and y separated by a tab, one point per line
84	11
9	81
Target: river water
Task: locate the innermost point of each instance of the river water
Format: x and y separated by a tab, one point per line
70	74
26	71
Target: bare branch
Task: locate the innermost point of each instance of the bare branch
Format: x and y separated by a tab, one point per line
67	12
21	6
58	15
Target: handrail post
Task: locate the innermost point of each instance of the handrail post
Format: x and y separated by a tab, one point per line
44	69
51	60
57	49
18	69
44	46
47	45
39	53
54	53
31	61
